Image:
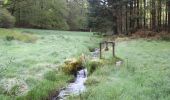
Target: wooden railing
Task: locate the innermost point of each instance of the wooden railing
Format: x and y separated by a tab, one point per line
106	43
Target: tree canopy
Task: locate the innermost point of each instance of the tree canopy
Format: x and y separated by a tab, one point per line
128	16
114	16
48	14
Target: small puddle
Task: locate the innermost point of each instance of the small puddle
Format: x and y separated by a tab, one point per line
74	88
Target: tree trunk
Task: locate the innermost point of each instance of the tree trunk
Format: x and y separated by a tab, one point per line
159	15
168	5
144	19
127	19
153	16
131	15
138	15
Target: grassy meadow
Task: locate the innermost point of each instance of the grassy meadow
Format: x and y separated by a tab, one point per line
144	75
30	60
30	63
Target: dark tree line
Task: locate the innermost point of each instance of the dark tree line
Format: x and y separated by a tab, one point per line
128	16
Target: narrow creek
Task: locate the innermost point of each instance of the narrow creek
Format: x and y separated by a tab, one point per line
76	87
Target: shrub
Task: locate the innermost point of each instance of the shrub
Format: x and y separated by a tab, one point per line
6	19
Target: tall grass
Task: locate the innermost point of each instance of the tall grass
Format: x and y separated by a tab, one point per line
26	64
53	81
9	34
145	74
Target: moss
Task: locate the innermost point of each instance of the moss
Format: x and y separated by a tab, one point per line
71	66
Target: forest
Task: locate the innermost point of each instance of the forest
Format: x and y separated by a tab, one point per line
116	16
84	49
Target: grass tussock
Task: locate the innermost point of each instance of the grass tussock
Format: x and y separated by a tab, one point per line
92	65
71	66
53	81
9	35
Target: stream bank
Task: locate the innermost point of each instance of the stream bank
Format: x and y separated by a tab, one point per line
77	86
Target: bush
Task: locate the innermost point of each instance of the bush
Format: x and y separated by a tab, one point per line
6	19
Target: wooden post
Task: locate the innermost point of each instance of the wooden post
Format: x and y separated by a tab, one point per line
100	50
113	44
107	43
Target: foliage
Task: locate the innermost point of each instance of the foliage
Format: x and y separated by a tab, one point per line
77	18
41	13
6	19
49	14
128	16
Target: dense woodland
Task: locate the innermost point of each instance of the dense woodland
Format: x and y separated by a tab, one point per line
128	16
48	14
114	16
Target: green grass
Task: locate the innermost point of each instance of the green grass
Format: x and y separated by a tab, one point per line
10	34
27	65
145	74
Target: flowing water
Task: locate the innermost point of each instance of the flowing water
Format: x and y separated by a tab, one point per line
74	88
77	87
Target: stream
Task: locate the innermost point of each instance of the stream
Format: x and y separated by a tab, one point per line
74	88
77	87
